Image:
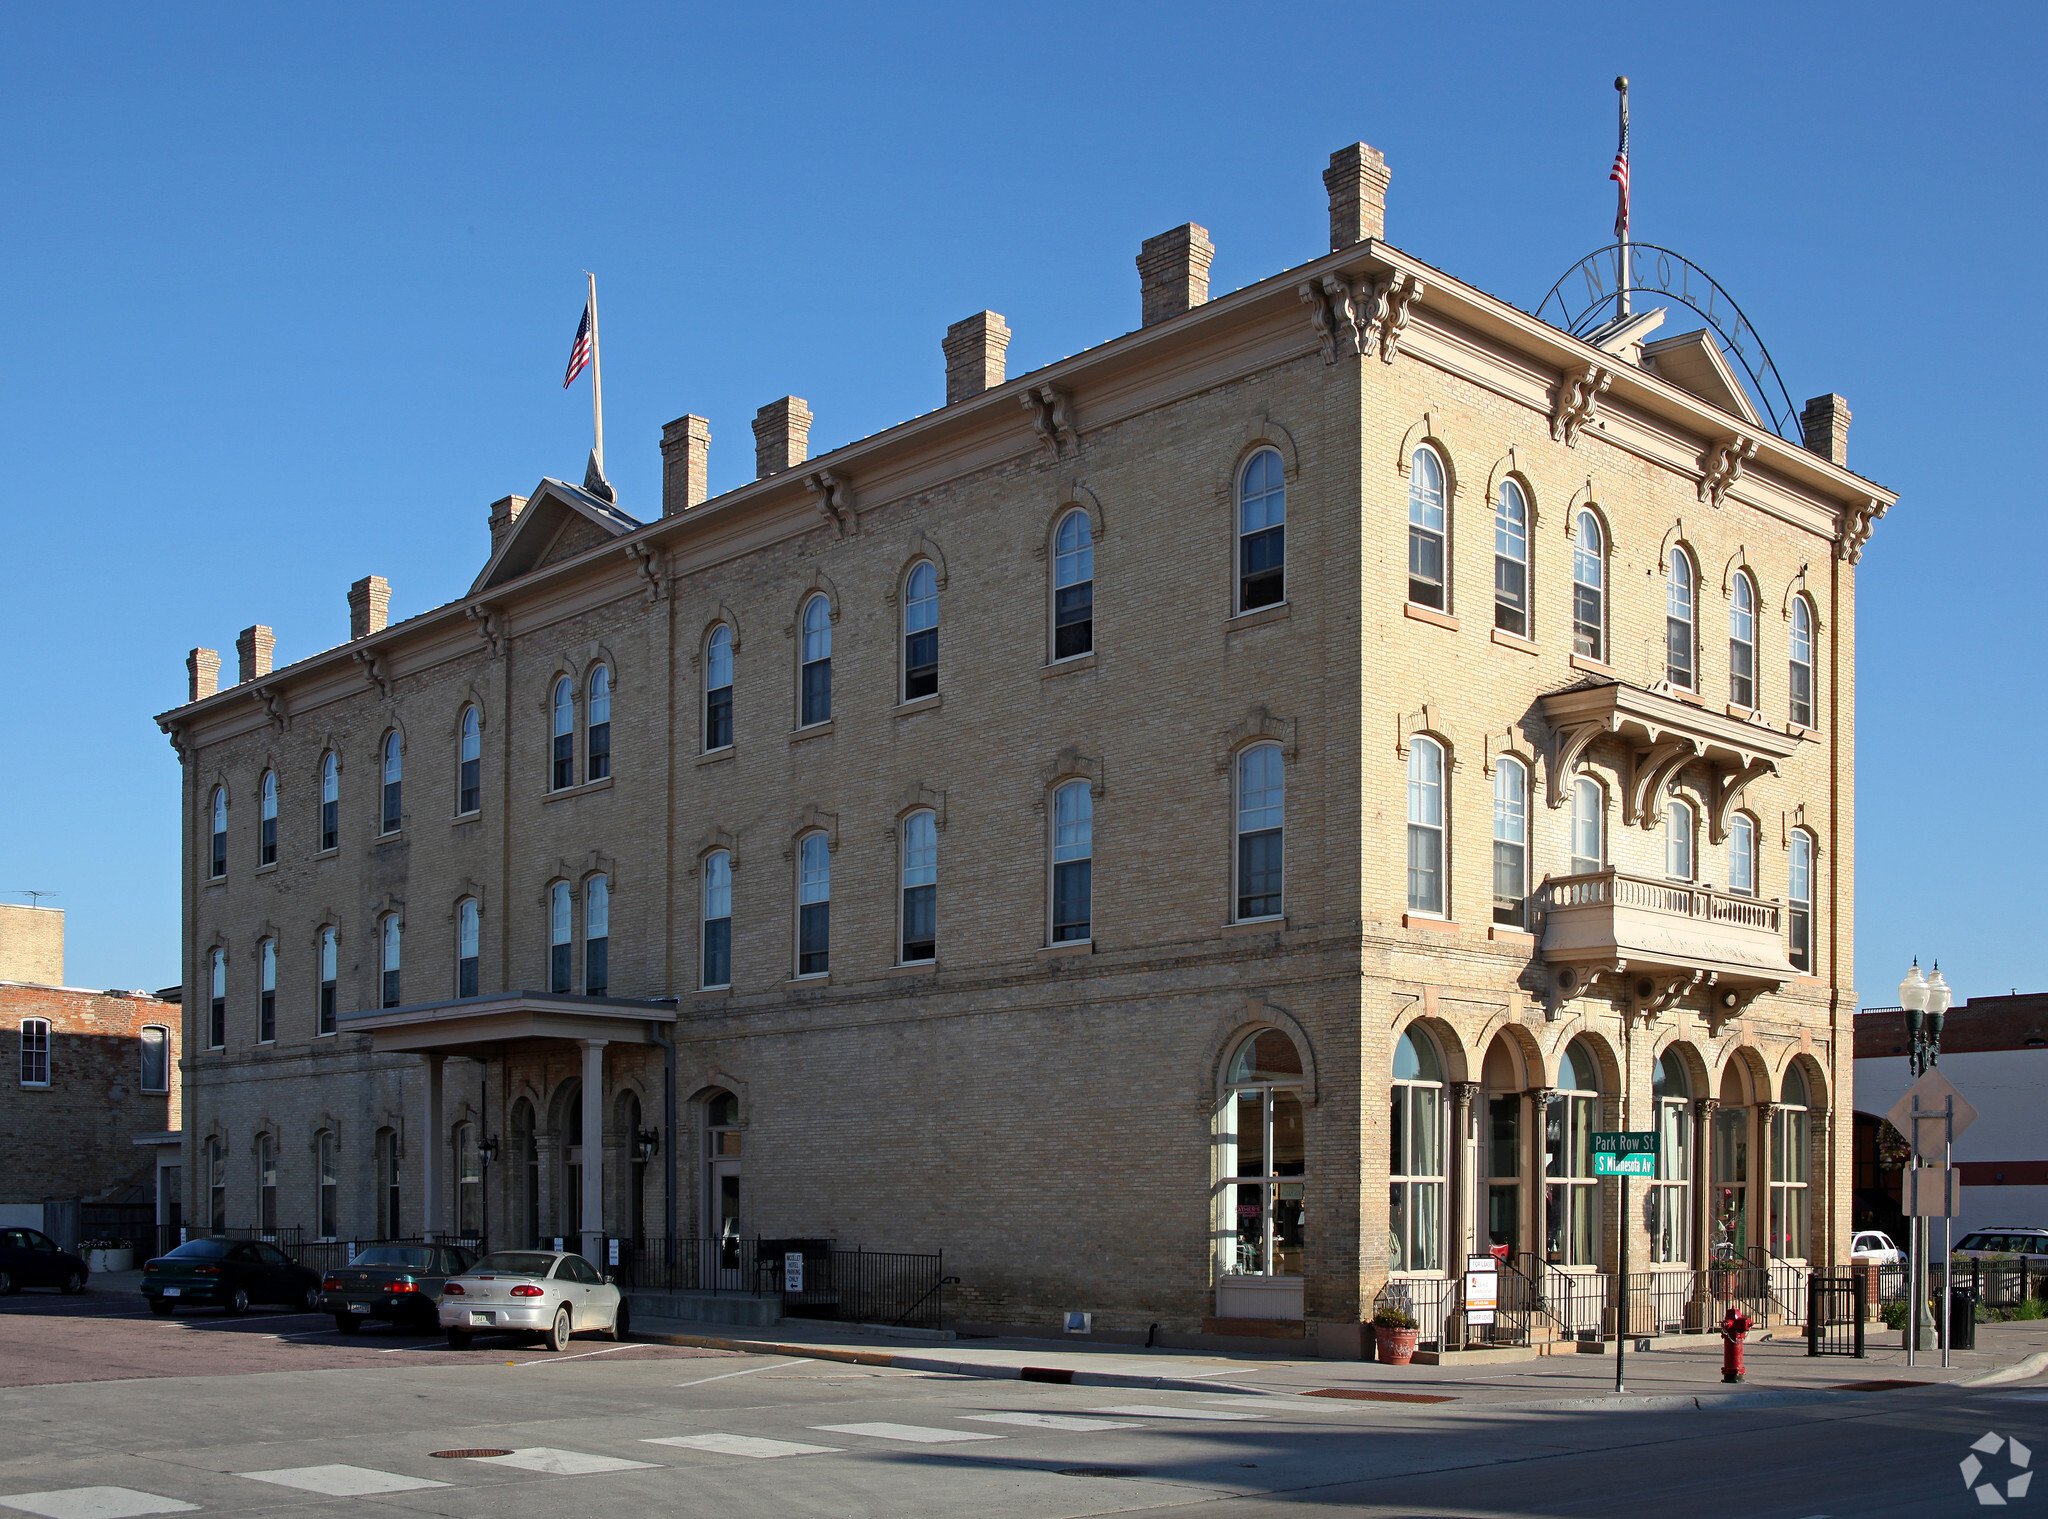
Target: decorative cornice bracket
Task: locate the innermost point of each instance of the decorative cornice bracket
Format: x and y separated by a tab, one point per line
1857	525
1721	466
835	500
1575	401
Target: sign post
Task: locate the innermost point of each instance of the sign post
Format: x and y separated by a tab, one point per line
1626	1153
1932	1115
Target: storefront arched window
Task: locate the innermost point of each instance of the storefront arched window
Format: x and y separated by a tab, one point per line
1261	1189
1671	1194
1415	1161
1571	1197
1730	1222
1790	1169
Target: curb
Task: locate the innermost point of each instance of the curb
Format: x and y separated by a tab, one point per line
2019	1371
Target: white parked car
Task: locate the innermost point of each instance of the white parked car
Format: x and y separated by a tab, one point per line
547	1295
1873	1247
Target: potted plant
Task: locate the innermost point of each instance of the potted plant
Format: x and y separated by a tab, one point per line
107	1255
1394	1335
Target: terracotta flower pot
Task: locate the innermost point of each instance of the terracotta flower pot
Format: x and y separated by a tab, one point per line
1396	1346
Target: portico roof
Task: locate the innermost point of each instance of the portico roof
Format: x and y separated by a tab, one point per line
481	1026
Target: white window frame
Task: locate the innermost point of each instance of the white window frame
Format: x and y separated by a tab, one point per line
717	894
1240	810
330	798
327	982
718	661
326	1185
1511	528
469	926
1682	619
143	1075
1418	1175
1072	815
1428	825
36	1054
597	929
1742	605
217	835
1670	1214
1742	839
814	647
915	872
1585	786
217	999
1244	500
1800	671
1073	567
392	789
390	958
561	939
1791	1178
1274	1188
1579	1113
813	889
597	713
1589	592
1429	524
920	616
266	991
1511	831
266	821
1681	838
1801	855
469	750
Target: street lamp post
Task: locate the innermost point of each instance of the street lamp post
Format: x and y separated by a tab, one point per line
1925	1000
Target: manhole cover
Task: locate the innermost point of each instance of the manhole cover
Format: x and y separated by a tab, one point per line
466	1455
1098	1471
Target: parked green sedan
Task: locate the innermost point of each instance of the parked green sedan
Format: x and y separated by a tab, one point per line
229	1275
400	1284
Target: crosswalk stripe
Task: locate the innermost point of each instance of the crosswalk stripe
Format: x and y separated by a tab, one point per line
1050	1421
93	1503
744	1445
1161	1411
562	1463
915	1434
340	1481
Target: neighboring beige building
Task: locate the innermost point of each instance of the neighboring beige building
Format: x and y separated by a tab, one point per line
1062	829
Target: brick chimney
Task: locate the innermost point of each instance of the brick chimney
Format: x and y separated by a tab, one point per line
1173	272
253	647
974	355
504	513
685	464
369	606
782	436
202	674
1825	424
1357	182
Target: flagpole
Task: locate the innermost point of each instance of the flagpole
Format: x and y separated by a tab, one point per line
596	381
1627	270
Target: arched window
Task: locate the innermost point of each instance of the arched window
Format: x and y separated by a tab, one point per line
1679	826
1415	1164
156	1058
1511	560
920	887
1261	805
562	757
1073	862
921	632
1589	826
1681	628
1571	1195
1742	643
1510	842
1261	1160
219	811
266	827
597	731
330	801
816	673
329	966
392	933
469	1182
468	923
266	1010
814	905
1426	529
217	1186
390	1215
1073	586
217	1000
394	778
561	940
266	1186
1426	827
1589	589
1791	1168
1799	904
1262	531
469	767
1671	1194
717	919
1742	855
597	937
718	689
35	1052
326	1185
1801	683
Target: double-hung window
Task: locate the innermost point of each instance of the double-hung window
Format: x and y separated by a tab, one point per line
217	1000
266	1009
266	827
1742	855
1426	524
1426	827
1679	831
921	632
1073	865
469	765
1510	842
920	913
717	919
394	778
1073	586
330	801
329	966
1511	560
1680	627
35	1052
393	936
467	932
1801	675
562	754
1799	907
814	905
1261	806
156	1058
718	689
266	1185
1589	826
561	940
1589	589
597	940
1742	643
326	1184
1262	532
815	674
217	867
597	733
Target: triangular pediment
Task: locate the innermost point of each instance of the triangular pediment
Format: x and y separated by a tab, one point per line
558	522
1692	361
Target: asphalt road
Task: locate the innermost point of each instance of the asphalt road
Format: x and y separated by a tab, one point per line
268	1415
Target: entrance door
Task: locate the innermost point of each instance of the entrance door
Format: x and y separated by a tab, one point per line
725	1222
572	1198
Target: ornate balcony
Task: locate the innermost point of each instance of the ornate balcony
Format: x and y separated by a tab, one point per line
1657	940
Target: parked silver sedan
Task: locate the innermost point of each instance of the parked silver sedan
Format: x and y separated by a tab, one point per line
547	1295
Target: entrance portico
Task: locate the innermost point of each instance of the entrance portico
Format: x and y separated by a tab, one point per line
494	1028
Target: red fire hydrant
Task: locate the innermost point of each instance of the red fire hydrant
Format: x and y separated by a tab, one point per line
1733	1328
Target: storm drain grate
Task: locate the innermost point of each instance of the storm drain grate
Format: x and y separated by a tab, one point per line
466	1455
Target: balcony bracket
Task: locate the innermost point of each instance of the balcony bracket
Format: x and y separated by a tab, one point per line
1572	740
1728	788
1653	994
1727	1004
1652	768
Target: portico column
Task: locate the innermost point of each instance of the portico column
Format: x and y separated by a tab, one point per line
1539	1115
1821	1224
1462	1094
1703	1111
1760	1182
432	1162
592	1222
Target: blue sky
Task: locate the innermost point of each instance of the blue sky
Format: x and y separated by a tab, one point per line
292	288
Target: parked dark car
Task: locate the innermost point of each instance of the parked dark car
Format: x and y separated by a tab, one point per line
400	1284
230	1275
30	1258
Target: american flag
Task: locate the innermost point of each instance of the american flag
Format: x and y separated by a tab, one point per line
1619	175
579	354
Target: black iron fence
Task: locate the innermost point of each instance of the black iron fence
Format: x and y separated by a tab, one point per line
814	1278
1836	1307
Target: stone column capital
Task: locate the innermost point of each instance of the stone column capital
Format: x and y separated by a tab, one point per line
1464	1093
1706	1107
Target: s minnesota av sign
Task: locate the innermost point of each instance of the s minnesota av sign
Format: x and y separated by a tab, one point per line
1628	1153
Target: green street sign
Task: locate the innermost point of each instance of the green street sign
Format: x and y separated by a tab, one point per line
1626	1153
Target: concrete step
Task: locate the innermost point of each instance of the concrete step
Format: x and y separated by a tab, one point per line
756	1311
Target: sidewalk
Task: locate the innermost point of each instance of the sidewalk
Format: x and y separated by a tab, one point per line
1672	1374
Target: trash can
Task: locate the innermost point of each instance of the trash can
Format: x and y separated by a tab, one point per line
1962	1318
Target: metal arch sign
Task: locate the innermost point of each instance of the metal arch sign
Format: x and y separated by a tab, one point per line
1590	292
